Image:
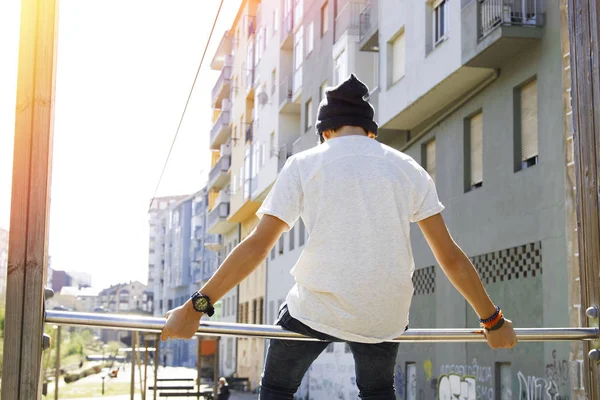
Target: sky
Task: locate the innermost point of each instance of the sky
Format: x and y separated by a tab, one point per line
124	71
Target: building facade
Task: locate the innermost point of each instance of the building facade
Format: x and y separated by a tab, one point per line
179	261
472	91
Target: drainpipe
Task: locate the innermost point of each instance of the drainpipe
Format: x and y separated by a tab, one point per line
456	105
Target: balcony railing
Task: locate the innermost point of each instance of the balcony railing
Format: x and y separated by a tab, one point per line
223	81
348	19
287	27
365	22
286	91
221	211
222	122
221	167
493	13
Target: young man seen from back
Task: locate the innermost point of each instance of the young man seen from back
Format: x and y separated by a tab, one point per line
357	198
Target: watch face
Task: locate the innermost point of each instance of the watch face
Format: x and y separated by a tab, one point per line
201	303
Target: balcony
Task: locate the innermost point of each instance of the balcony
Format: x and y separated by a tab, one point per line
219	174
286	93
214	243
198	233
287	31
223	50
221	130
249	76
265	178
495	31
217	219
222	88
368	32
348	19
249	132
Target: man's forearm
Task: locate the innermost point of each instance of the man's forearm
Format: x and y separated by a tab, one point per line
466	280
240	263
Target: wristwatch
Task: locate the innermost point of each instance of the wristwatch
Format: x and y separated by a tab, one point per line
202	304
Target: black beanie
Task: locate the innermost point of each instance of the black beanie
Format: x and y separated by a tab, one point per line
345	104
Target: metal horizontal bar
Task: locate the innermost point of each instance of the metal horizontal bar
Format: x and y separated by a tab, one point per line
209	328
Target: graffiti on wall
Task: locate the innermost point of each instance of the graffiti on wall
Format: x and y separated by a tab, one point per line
427	368
456	387
399	381
538	388
331	376
480	376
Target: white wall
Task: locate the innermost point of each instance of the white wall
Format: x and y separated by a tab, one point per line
422	71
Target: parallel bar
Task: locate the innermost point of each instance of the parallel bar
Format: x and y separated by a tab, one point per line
208	328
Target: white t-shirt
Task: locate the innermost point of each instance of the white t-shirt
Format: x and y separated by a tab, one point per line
357	198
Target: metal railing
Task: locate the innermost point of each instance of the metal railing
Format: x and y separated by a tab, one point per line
286	90
209	328
364	22
348	19
223	120
224	77
221	167
493	13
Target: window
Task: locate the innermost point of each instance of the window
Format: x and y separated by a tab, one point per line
324	19
411	381
273	253
339	68
474	152
281	243
292	238
322	91
261	306
273	81
254	312
503	381
275	20
398	48
308	118
301	232
428	155
298	45
347	348
329	348
310	38
440	21
526	126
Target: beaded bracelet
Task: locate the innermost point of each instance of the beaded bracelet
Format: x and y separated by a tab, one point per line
490	319
493	322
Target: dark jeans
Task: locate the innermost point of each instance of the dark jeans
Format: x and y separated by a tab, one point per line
288	360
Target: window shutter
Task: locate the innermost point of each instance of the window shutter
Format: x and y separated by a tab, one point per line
398	51
529	121
477	149
430	159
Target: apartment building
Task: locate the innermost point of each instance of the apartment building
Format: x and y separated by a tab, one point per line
472	90
180	261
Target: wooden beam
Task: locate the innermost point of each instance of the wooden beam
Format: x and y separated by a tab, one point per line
585	52
27	257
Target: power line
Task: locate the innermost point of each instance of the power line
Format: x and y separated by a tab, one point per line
186	104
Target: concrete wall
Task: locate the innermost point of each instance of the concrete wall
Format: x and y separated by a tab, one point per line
511	210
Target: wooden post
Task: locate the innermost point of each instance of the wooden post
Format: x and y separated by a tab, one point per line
27	257
145	369
585	76
216	369
199	363
133	362
57	363
156	363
